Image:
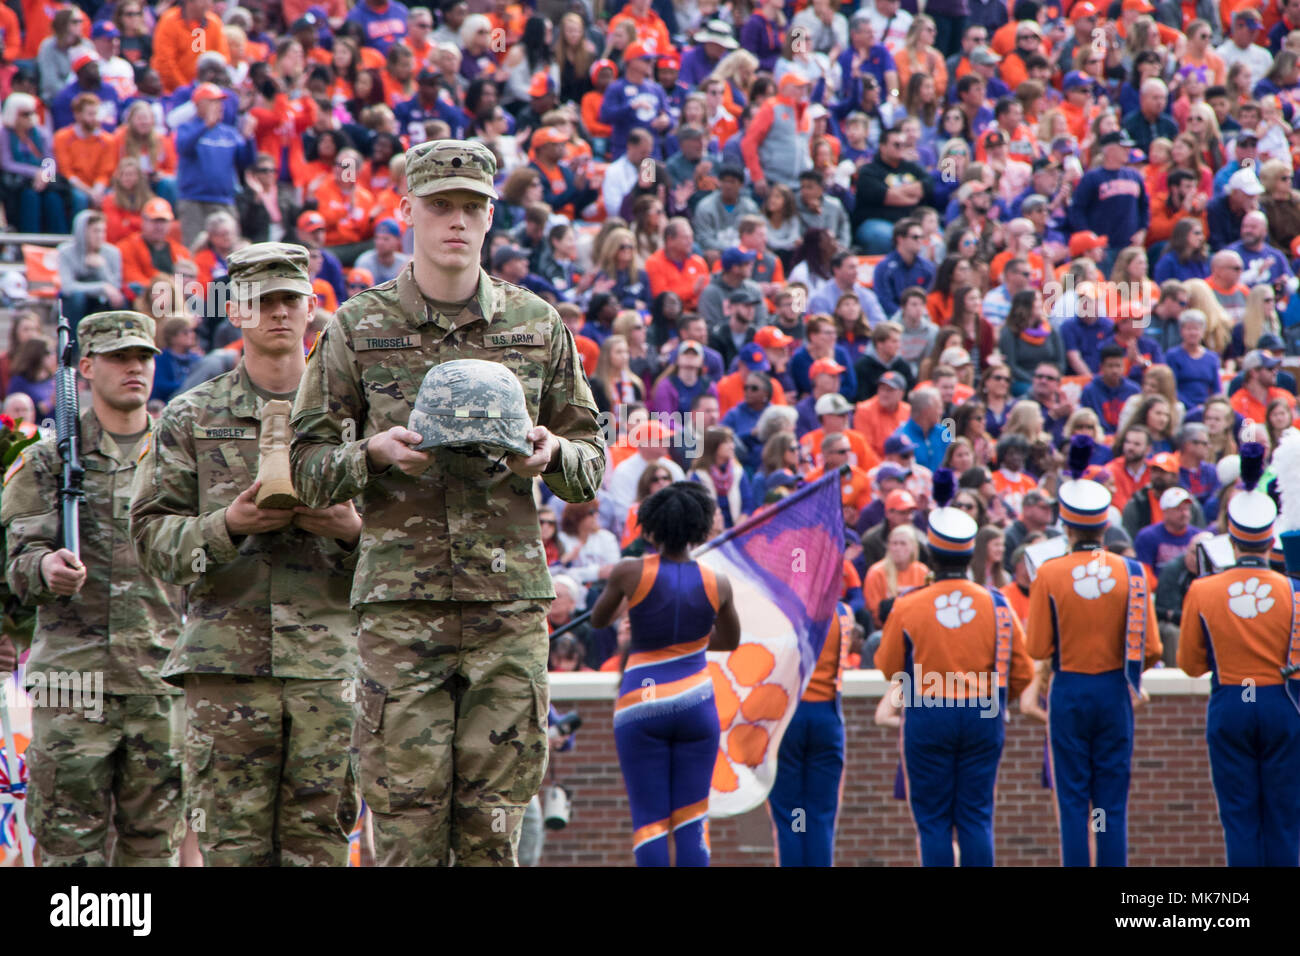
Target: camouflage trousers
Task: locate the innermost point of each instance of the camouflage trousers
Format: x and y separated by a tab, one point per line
450	738
120	767
267	776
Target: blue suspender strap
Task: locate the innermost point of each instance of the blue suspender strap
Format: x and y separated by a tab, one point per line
1135	628
1004	629
1291	672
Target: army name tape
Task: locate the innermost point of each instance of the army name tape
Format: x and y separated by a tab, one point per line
225	432
401	342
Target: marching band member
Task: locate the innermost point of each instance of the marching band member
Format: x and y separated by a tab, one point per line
1091	613
956	648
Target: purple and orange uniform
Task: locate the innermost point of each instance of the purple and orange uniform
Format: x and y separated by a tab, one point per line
665	721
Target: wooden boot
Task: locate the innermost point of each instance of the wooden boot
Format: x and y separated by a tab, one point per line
274	471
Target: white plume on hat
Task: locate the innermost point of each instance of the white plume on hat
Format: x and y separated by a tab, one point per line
1286	465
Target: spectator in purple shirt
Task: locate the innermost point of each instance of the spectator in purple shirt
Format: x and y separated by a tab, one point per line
1195	368
761	34
1165	541
1195	473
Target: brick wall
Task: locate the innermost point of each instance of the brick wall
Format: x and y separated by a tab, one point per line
1172	816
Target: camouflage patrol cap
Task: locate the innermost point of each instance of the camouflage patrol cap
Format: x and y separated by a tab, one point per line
469	402
112	331
266	267
442	165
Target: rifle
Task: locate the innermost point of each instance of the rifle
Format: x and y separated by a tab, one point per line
67	413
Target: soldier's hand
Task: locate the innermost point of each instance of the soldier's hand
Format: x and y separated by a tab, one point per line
243	516
8	655
337	521
545	447
62	572
394	447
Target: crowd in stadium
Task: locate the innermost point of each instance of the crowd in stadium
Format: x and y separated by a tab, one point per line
787	238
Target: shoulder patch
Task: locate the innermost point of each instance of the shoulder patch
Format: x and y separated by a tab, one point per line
315	342
16	467
144	448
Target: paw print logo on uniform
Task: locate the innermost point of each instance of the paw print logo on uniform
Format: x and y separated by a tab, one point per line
1093	579
954	609
1249	598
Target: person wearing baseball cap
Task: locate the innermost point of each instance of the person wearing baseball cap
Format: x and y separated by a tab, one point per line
427	105
564	190
1111	199
884	413
386	259
1259	388
1091	613
113	68
86	78
834	413
635	101
920	638
775	145
825	375
743	396
133	814
444	306
208	152
737	266
1224	213
142	252
1171	535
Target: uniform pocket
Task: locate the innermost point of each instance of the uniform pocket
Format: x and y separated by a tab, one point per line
42	769
199	790
536	752
371	764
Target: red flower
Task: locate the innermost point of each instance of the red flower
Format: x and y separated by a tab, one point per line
8	422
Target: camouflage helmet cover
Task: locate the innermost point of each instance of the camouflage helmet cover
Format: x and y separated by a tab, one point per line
470	402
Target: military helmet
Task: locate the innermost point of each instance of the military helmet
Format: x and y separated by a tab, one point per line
470	402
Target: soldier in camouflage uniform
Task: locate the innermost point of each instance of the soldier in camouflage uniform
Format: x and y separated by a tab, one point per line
109	760
451	586
267	656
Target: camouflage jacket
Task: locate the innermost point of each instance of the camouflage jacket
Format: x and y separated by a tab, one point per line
122	623
463	530
273	605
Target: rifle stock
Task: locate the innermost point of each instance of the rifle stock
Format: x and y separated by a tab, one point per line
67	429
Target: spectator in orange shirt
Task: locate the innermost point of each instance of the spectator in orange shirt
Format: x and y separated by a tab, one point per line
85	154
602	74
674	268
1259	389
344	204
855	488
1129	468
124	202
651	31
884	413
181	34
833	411
898	572
152	251
399	75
